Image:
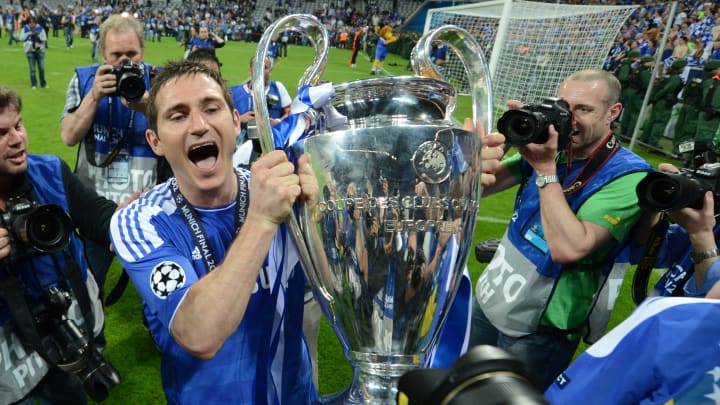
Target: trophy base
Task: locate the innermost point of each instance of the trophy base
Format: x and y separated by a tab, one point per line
375	379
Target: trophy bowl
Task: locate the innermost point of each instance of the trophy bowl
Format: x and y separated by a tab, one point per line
385	244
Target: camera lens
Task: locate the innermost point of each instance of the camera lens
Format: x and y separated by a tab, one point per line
522	127
666	191
663	192
131	87
485	374
48	228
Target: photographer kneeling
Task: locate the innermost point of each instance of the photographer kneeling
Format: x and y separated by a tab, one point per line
49	305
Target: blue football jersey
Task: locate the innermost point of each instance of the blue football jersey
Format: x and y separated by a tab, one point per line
667	351
265	360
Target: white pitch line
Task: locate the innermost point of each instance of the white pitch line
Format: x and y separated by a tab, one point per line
493	220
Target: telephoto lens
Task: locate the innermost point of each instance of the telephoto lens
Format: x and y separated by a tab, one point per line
484	375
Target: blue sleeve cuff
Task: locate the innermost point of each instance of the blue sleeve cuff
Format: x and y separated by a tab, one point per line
711	277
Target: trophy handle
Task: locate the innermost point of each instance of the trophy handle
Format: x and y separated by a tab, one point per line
318	36
473	59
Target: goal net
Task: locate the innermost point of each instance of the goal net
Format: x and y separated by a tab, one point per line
535	46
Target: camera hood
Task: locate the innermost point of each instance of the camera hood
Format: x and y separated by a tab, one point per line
659	192
46	229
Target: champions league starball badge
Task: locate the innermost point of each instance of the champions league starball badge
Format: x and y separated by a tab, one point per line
431	162
165	278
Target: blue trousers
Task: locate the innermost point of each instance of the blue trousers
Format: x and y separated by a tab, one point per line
547	354
36	59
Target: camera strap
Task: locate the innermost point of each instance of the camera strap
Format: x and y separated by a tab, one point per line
647	261
601	155
194	225
90	146
13	292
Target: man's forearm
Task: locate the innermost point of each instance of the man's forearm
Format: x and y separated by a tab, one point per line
76	125
569	239
703	241
215	305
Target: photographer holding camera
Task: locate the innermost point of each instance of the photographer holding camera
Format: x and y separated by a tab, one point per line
33	38
687	247
205	39
575	207
104	113
49	307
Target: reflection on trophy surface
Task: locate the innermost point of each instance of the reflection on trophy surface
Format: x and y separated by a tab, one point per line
385	244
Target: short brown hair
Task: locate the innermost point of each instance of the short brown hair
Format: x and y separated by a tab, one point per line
611	83
9	98
174	70
121	23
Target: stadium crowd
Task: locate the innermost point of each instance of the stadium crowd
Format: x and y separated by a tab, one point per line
685	103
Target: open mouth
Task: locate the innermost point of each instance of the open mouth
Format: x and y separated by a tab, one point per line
204	156
19	156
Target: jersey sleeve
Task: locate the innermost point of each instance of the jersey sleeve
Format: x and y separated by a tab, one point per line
159	268
667	350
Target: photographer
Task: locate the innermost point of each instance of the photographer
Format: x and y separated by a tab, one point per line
33	38
574	209
104	113
689	249
45	289
205	39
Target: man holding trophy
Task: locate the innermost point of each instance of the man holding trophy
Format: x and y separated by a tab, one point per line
206	289
219	279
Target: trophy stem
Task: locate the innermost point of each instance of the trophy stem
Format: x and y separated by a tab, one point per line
378	375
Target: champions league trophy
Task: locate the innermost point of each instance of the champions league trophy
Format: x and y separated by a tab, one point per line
385	243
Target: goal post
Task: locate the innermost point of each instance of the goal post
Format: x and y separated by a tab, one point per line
531	46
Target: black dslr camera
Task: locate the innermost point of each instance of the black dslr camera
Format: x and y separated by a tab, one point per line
68	347
530	123
483	375
37	44
130	80
35	229
669	191
659	192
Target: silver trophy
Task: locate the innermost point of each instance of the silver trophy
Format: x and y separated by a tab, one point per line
385	243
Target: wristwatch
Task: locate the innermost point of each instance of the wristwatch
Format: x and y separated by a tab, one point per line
542	181
697	257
